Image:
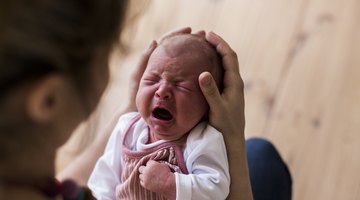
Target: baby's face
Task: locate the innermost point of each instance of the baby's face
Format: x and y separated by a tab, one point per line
169	96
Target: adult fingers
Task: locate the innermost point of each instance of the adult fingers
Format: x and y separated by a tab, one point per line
144	58
229	57
182	30
210	91
137	74
201	33
232	79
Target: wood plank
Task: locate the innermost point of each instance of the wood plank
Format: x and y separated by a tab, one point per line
316	118
259	31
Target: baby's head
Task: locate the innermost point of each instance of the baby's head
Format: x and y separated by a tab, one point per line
191	46
169	97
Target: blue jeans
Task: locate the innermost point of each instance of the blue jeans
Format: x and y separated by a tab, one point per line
270	177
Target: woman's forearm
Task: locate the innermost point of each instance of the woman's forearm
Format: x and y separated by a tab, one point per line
240	187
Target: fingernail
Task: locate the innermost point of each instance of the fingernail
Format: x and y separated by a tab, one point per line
206	81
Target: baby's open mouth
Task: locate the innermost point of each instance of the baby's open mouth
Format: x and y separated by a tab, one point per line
161	113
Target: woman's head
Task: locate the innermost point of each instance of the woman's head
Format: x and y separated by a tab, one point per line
169	96
53	64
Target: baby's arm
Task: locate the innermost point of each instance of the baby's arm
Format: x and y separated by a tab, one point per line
107	171
105	176
206	161
207	164
158	178
103	180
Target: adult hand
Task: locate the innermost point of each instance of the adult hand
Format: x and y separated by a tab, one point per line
227	115
136	76
226	109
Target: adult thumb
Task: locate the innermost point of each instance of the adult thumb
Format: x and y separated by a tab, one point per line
210	90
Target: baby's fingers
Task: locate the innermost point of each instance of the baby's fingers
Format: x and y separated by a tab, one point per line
141	169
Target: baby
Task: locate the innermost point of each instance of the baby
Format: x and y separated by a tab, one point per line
167	150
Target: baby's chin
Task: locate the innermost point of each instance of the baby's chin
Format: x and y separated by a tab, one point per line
156	135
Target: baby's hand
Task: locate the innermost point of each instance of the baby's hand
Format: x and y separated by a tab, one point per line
158	178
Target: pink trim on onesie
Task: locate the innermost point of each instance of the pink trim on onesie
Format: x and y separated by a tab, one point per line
170	153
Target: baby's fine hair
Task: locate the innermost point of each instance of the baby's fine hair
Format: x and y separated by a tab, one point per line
196	42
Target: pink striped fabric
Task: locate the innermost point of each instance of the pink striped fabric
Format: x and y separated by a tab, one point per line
169	153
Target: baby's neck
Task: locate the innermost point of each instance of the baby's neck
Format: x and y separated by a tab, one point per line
153	138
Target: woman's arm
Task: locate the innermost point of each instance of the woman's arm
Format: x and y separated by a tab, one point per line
227	115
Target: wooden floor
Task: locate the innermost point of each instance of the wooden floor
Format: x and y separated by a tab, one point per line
300	60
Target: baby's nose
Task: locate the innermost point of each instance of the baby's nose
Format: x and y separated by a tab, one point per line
163	92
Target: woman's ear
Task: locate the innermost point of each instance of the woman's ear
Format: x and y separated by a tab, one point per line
46	98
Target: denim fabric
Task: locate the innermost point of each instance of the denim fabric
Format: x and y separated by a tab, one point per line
270	177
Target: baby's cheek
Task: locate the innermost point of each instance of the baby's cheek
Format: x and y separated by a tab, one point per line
142	102
203	104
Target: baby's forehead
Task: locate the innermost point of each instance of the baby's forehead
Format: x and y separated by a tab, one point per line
189	47
193	47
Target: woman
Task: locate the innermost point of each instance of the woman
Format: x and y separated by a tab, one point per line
53	57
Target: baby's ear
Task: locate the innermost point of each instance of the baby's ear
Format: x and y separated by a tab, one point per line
46	98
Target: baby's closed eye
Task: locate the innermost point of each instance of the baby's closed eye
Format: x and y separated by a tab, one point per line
150	80
185	86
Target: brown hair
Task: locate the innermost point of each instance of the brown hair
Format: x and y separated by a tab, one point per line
40	36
